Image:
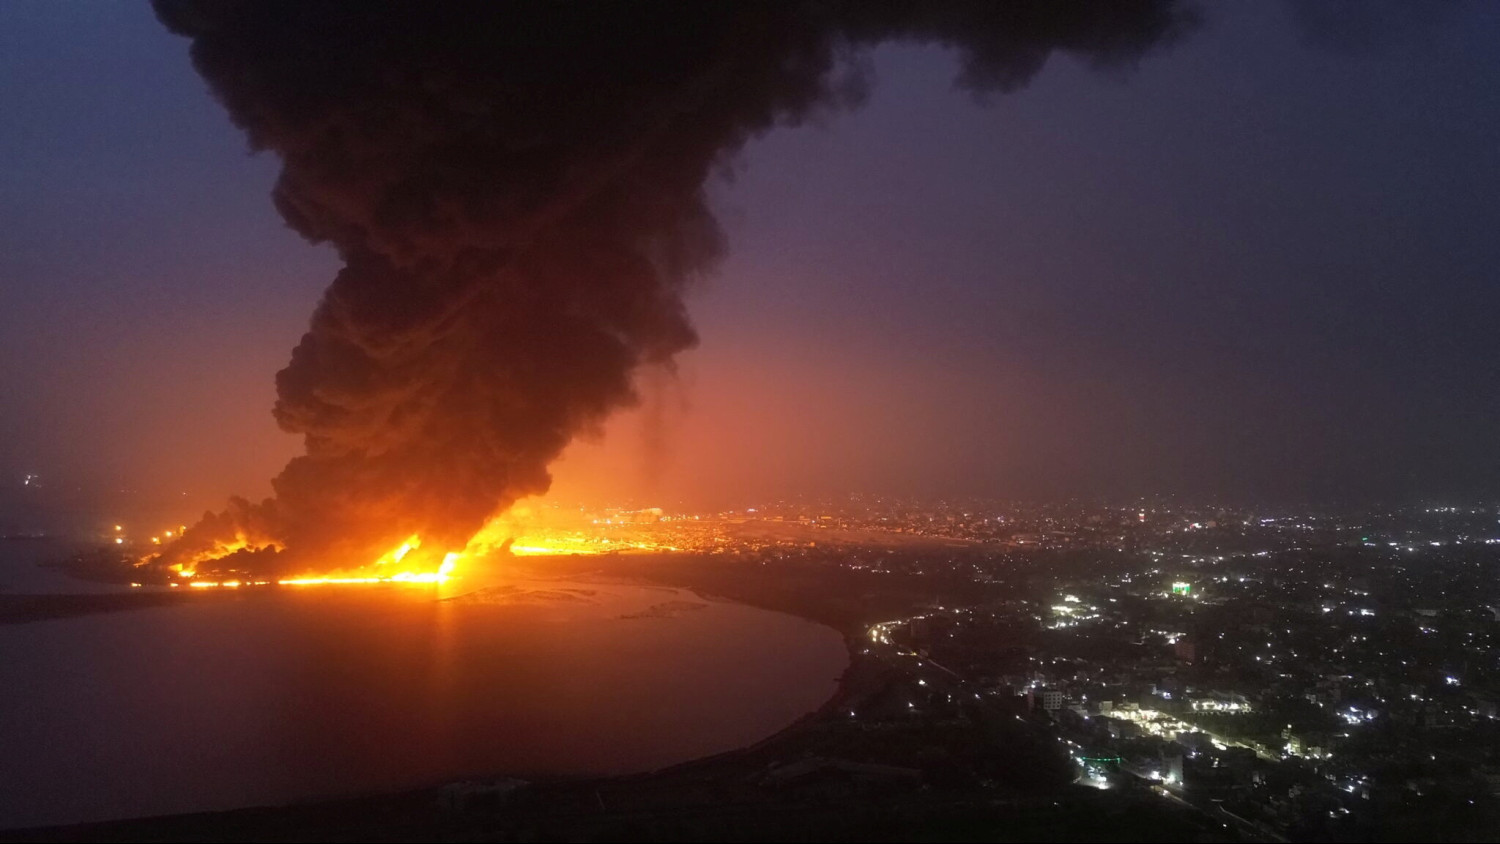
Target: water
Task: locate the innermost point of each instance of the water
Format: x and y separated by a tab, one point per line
272	697
20	574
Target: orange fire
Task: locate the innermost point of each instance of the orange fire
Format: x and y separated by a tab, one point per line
520	531
532	532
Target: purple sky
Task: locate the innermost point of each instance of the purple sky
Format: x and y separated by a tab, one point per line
1261	266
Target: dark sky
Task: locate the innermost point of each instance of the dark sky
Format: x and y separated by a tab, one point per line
1260	267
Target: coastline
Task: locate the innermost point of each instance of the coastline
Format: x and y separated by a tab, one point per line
32	608
826	775
27	608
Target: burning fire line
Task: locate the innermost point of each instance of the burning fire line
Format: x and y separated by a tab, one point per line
442	575
511	533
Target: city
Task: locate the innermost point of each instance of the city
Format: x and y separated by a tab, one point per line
1305	674
1267	675
789	420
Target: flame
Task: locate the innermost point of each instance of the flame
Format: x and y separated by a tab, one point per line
520	531
530	531
220	550
397	554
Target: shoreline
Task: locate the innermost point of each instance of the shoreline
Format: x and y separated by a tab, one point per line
191	825
32	608
881	776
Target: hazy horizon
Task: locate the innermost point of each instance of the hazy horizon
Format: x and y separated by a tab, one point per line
1256	268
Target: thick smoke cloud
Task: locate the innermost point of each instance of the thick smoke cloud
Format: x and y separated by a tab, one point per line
517	193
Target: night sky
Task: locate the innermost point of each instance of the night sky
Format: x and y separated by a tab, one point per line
1260	267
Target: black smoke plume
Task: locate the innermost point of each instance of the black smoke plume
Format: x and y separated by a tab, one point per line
517	193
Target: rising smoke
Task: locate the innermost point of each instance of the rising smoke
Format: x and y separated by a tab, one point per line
517	193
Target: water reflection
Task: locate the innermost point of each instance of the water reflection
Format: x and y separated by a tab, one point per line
270	696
